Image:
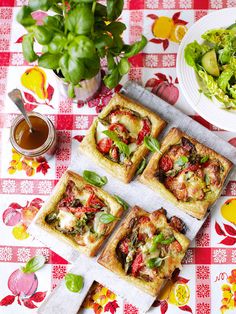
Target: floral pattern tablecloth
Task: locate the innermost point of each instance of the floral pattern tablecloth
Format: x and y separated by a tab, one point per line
207	283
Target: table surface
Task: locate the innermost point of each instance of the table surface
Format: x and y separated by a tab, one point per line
206	283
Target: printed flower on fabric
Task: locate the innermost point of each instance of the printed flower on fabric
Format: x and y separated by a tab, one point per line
130	309
167	29
227	230
100	299
175	292
203	272
164	87
23	288
228	300
37	91
219	256
27	164
19	217
6	254
216	4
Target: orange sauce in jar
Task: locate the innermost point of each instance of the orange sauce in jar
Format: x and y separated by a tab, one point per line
31	140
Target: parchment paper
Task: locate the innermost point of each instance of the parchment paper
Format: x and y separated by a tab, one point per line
134	193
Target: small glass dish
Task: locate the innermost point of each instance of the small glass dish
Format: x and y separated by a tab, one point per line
47	147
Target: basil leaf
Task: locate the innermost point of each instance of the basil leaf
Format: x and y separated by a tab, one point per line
136	47
204	159
182	161
123	66
155	262
24	16
28	48
121	201
82	47
49	61
161	239
114	9
93	178
152	144
80	20
106	218
111	80
42	34
141	166
74	283
72	69
116	28
34	264
158	238
123	148
112	135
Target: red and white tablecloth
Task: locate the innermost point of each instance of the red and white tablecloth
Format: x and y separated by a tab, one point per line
207	283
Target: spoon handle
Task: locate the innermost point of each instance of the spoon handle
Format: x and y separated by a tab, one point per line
16	96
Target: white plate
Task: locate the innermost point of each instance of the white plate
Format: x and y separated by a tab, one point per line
210	110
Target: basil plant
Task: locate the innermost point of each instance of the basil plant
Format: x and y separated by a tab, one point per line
75	36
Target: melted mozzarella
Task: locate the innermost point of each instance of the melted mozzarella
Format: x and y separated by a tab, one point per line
134	124
132	147
67	220
83	196
99	130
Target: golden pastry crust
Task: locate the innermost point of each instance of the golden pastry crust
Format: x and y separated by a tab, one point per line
195	208
89	249
89	146
109	258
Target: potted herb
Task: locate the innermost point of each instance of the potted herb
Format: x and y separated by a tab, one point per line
76	38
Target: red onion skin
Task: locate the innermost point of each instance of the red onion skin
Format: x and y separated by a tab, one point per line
22	284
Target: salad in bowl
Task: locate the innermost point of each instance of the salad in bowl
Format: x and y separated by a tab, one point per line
214	62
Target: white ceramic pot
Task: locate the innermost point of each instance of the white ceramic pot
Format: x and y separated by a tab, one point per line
87	91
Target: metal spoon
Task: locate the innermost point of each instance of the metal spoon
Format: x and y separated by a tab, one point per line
16	96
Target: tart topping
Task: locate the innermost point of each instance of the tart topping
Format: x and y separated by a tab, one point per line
123	131
146	248
78	214
187	174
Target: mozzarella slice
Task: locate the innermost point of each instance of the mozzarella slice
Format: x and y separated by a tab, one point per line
67	220
99	130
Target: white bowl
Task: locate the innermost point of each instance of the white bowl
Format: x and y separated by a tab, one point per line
210	110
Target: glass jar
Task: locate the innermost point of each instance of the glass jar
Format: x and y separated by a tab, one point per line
46	149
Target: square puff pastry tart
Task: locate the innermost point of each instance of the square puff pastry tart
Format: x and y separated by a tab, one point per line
146	249
72	213
125	121
187	173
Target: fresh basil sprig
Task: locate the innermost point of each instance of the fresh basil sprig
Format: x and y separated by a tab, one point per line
106	218
182	160
123	148
141	166
160	239
204	159
74	283
93	178
152	144
121	201
34	264
155	262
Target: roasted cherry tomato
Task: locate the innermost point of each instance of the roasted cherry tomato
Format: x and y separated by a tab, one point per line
104	145
144	219
166	163
137	264
146	130
177	246
119	127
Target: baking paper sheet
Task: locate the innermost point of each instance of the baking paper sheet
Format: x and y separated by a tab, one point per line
134	193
